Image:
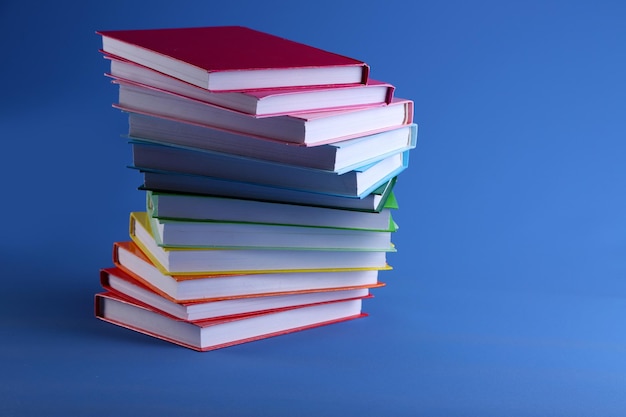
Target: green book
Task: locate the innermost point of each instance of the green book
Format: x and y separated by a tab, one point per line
200	261
223	209
181	184
226	235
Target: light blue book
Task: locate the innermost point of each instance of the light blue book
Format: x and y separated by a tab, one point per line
338	157
151	157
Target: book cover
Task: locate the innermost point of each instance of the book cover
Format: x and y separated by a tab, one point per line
130	259
219	333
230	58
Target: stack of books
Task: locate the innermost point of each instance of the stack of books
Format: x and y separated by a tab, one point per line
268	167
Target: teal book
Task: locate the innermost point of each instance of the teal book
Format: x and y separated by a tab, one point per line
176	183
150	157
232	235
223	209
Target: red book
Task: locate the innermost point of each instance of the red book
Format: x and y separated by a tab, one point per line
220	333
233	58
117	281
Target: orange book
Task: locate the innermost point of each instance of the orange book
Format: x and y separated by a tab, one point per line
117	281
130	260
209	261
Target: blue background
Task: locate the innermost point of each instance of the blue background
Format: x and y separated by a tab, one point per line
507	296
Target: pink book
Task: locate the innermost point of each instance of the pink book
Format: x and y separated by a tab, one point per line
233	58
264	102
308	129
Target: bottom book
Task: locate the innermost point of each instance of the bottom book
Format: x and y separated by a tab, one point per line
219	333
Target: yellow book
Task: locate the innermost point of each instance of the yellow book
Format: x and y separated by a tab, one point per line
203	261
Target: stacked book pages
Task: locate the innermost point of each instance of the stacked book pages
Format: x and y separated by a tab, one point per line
268	167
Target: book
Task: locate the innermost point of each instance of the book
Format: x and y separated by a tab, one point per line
262	103
176	233
307	129
196	207
231	58
203	261
129	259
116	281
219	333
269	167
338	157
149	156
172	182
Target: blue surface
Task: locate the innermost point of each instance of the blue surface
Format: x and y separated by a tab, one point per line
508	295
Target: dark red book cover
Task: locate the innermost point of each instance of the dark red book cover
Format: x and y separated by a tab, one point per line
231	48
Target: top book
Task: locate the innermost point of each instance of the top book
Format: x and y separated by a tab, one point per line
233	58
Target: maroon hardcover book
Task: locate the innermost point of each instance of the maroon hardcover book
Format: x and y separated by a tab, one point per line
233	58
